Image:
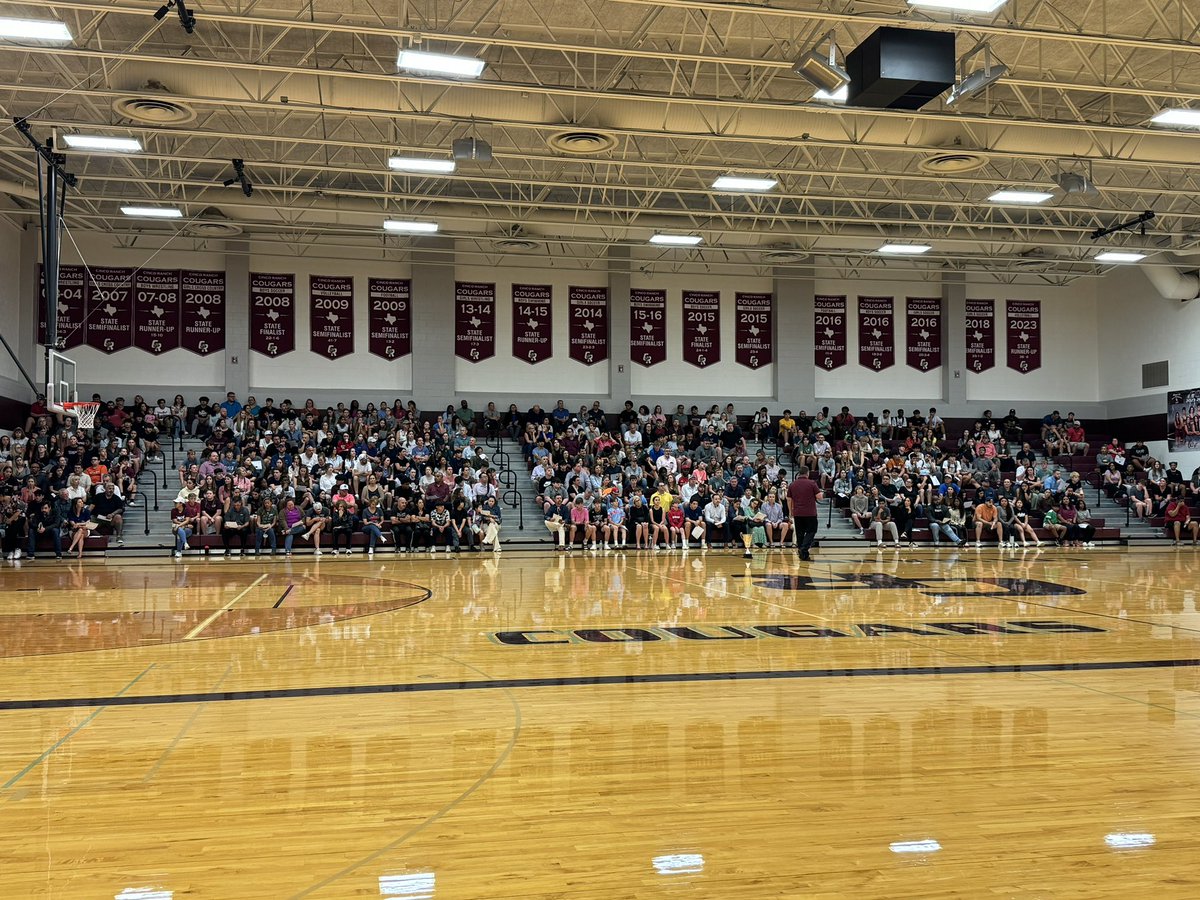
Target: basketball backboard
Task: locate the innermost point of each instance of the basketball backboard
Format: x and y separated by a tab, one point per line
60	386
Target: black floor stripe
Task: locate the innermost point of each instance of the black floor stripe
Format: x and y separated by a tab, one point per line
586	681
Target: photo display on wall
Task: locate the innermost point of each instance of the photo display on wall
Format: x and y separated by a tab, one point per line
829	332
1024	327
754	329
331	315
474	320
1183	420
647	326
532	322
587	316
272	313
923	333
702	328
876	333
389	317
981	335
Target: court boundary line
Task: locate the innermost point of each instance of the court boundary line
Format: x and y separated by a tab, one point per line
350	690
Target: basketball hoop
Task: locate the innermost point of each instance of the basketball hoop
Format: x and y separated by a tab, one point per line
84	413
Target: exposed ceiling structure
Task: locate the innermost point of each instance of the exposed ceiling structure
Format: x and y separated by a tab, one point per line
609	121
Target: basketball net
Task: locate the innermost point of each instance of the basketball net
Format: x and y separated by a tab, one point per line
84	413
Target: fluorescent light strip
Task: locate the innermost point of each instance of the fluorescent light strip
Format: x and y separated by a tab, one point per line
440	64
409	227
743	183
1178	118
1022	197
971	6
678	240
98	142
153	212
1119	256
34	30
905	249
414	164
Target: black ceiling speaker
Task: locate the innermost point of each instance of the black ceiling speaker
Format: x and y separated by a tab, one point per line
477	149
900	68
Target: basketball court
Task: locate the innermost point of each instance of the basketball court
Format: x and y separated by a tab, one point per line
900	724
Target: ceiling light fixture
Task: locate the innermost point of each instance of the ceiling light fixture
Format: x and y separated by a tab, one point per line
676	240
99	142
1020	197
967	6
440	64
34	30
979	80
904	249
743	183
186	17
415	164
821	69
841	95
1119	256
1177	118
153	212
402	226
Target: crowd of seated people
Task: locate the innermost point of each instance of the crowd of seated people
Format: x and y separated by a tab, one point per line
271	478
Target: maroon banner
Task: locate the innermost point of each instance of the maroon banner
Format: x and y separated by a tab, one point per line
389	317
110	309
156	310
272	313
923	331
1024	334
532	338
647	326
753	330
587	321
829	344
202	311
71	307
702	328
331	315
474	320
981	335
876	333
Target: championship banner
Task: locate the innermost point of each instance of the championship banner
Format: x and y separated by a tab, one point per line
587	321
272	313
876	333
110	309
829	333
71	307
1024	321
474	320
702	328
753	330
981	335
1183	420
923	333
647	326
389	317
331	315
156	295
202	311
532	323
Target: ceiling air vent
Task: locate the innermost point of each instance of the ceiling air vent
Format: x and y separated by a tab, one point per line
154	110
1155	374
952	163
579	142
784	256
515	245
212	224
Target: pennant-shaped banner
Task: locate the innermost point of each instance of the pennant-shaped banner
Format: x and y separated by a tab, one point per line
474	320
587	312
754	328
923	333
829	335
702	328
1024	335
532	324
331	315
389	317
156	295
876	333
202	316
272	313
981	335
647	326
71	307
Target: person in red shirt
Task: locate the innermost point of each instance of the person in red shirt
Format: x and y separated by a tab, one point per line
802	497
1179	519
96	471
675	524
1077	440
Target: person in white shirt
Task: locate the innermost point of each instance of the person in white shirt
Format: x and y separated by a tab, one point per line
688	489
716	516
667	463
632	437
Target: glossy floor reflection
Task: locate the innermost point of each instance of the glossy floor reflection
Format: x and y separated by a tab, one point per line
895	725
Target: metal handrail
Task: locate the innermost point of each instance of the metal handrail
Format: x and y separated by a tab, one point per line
519	504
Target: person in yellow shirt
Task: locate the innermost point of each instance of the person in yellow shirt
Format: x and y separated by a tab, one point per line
661	499
787	427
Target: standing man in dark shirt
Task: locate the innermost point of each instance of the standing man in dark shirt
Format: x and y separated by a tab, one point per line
802	497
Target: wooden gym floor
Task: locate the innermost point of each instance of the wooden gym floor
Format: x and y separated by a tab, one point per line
903	724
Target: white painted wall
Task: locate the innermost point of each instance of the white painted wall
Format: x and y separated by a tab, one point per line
557	376
11	382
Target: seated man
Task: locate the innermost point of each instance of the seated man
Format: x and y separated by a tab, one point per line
1179	519
987	518
716	519
109	509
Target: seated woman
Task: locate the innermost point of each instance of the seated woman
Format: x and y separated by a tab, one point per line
881	519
